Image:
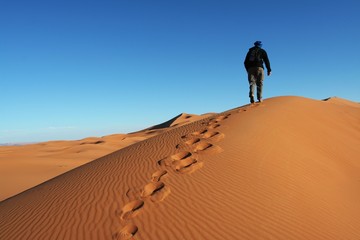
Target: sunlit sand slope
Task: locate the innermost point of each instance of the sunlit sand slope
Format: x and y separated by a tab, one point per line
287	168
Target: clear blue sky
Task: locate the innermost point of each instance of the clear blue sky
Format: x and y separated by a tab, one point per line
73	69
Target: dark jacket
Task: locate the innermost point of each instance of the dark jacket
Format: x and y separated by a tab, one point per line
258	60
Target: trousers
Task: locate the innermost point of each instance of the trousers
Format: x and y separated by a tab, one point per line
256	78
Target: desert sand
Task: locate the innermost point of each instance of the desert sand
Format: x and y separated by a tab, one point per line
22	167
287	168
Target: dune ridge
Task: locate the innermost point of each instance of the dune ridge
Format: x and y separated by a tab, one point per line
283	169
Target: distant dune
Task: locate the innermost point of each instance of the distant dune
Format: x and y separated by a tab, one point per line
287	168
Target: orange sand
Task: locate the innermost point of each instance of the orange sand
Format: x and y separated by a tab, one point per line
287	168
22	167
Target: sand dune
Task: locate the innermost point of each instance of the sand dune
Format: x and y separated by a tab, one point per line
22	167
287	168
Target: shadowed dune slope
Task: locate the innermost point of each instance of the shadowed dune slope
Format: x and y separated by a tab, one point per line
287	168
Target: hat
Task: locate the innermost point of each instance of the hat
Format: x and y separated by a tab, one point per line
258	43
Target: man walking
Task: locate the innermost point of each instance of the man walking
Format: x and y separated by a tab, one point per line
255	69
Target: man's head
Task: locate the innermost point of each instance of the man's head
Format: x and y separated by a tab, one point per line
258	44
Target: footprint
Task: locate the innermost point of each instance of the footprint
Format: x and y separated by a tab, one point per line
179	164
248	107
181	155
212	119
207	147
213	126
213	135
198	133
130	210
220	118
191	168
192	141
151	188
210	134
158	175
126	232
166	162
187	165
202	146
184	136
156	191
212	122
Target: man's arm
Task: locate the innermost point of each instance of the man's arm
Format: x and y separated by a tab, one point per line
267	63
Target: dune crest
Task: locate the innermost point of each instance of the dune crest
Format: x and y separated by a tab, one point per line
287	168
341	101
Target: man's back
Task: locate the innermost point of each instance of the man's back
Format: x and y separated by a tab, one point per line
255	57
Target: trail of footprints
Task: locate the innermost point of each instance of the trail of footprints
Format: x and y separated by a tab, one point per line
185	161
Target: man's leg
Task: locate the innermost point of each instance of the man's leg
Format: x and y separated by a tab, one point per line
259	83
252	83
